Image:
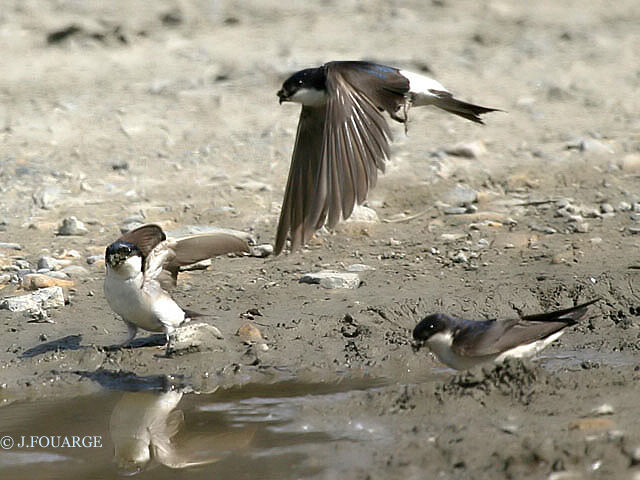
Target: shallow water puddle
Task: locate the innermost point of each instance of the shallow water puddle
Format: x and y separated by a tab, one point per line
578	359
284	430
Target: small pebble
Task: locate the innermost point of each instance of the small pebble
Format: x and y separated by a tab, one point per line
454	210
261	251
604	409
58	274
467	149
194	336
606	208
624	206
359	267
460	257
630	162
72	226
75	270
363	214
10	245
591	424
460	195
34	281
591	145
94	258
253	186
50	263
250	334
582	227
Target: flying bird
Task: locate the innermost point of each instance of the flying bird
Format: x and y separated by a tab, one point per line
343	137
143	264
463	344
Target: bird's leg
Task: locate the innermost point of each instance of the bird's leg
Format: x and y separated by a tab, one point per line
167	352
404	118
132	329
405	112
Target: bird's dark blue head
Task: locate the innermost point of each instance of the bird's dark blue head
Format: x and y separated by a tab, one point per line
118	252
429	326
309	78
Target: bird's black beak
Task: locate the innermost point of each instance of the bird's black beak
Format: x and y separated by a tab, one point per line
282	96
416	345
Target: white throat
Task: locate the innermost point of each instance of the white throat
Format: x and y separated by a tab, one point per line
440	344
309	97
130	268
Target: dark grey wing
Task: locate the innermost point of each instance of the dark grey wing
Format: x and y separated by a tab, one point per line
304	192
493	337
333	169
569	315
385	86
145	237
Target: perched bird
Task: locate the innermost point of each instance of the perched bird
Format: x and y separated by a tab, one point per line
463	344
343	137
142	265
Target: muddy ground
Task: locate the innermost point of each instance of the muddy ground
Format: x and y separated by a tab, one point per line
166	112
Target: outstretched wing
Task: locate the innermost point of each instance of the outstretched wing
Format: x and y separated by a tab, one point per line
165	260
339	148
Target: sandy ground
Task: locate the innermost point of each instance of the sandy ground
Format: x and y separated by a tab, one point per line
166	112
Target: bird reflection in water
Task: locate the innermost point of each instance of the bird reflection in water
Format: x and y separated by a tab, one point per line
148	430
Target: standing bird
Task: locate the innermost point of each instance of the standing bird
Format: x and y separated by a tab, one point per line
463	344
142	265
343	137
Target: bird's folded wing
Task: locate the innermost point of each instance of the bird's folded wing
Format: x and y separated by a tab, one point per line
475	340
569	315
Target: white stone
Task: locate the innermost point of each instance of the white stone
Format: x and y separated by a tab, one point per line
359	267
50	297
330	279
195	336
72	226
261	251
363	214
468	149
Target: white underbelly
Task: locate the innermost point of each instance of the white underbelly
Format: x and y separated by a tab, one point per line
131	303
